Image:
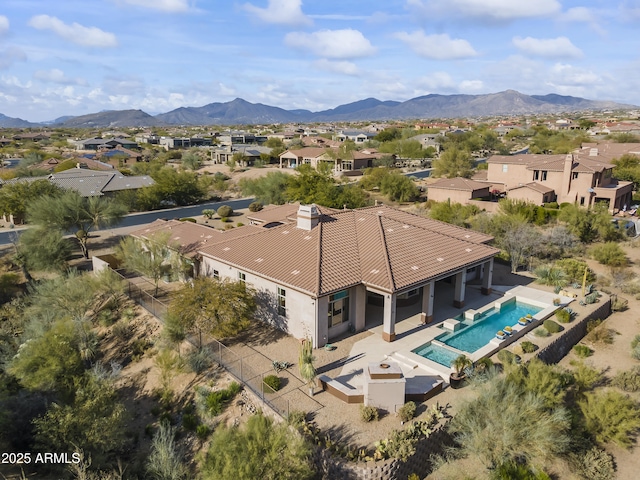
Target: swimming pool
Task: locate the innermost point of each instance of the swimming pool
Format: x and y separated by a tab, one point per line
476	334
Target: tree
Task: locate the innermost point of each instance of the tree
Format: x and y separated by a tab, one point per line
454	213
389	134
42	249
519	242
148	256
611	417
396	186
453	162
218	307
259	450
71	211
269	189
506	423
191	160
172	187
16	196
610	254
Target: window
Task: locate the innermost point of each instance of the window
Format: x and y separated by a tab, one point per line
409	294
242	277
338	308
505	168
544	175
282	302
574	175
581	200
216	274
536	174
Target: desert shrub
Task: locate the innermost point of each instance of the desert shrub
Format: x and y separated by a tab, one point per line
635	342
239	224
593	324
635	353
215	401
225	211
506	357
166	458
208	213
190	421
610	417
541	332
619	304
585	378
188	219
369	413
255	206
609	253
407	411
199	360
512	470
203	431
296	418
528	347
574	270
582	351
272	383
628	380
600	334
122	330
563	316
551	326
595	464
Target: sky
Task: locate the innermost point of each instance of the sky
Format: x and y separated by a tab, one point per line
73	57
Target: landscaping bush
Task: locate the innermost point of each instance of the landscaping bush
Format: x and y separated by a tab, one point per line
215	402
190	422
628	380
563	316
272	383
528	347
541	332
255	206
551	326
506	357
407	411
635	353
574	270
187	219
225	211
582	351
619	304
596	464
610	417
369	413
610	254
208	213
199	360
203	431
239	224
593	324
512	470
296	418
600	334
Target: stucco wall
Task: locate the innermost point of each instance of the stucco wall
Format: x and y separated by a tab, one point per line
442	195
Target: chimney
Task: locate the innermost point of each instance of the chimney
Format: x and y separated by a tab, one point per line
566	178
308	216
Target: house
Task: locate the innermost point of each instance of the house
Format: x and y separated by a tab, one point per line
457	190
320	272
103	143
170	143
119	157
357	136
314	156
429	140
251	154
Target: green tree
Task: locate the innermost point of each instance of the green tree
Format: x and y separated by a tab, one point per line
453	162
71	211
389	134
505	423
218	307
454	213
269	189
589	225
172	187
191	160
42	249
149	256
610	254
259	450
95	421
16	196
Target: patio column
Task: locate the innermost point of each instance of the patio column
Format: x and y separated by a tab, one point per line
389	318
460	287
428	291
360	307
487	277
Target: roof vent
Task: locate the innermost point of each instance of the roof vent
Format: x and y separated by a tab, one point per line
308	217
295	272
415	267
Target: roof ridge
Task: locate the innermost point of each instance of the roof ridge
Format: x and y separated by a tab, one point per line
386	254
319	270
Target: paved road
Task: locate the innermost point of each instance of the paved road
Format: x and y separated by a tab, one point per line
135	219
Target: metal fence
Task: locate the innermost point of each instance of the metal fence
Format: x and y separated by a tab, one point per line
241	368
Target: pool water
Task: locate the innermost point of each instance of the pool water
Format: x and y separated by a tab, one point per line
437	353
475	335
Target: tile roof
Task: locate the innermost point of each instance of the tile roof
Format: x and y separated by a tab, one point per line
380	246
535	187
283	213
91	182
458	183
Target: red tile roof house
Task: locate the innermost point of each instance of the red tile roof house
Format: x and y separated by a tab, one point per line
316	269
313	156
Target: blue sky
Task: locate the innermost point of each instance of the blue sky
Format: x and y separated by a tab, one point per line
71	57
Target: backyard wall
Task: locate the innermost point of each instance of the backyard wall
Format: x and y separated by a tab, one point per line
561	346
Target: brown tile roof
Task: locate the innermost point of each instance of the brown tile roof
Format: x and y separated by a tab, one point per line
458	183
283	213
535	187
380	246
308	152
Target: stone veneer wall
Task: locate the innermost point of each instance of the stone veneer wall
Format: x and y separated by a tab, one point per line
561	346
390	469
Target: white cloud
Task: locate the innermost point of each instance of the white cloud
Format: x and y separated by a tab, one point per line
75	33
471	86
56	75
163	5
343	67
560	47
282	12
437	82
500	10
340	44
4	24
11	55
569	75
583	15
437	46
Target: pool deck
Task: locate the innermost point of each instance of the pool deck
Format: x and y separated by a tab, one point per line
411	334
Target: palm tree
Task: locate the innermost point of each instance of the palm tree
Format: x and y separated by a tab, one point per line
460	364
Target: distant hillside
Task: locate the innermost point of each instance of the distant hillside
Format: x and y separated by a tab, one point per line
9	122
239	111
112	118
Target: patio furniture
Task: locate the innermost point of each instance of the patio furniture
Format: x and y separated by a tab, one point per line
501	335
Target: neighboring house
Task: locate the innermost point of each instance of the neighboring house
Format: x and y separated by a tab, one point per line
357	136
429	140
457	190
314	156
103	143
230	138
583	178
251	154
170	143
119	157
321	273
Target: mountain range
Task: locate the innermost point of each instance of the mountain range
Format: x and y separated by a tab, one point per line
239	111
